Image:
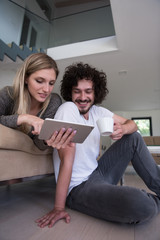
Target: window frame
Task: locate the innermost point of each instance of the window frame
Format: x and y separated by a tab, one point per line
145	118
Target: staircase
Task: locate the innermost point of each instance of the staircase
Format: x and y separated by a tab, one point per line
13	51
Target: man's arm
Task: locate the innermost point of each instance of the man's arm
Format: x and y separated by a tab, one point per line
67	158
122	126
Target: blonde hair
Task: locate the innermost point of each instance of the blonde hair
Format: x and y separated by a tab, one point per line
21	95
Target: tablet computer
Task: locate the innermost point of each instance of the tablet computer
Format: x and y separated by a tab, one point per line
51	125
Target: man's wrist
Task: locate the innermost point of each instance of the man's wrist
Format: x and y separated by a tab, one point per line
59	208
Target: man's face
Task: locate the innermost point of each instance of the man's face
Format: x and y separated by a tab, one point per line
83	96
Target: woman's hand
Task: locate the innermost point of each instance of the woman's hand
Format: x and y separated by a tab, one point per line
52	217
58	140
31	120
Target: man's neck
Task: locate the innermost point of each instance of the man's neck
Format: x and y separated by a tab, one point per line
86	116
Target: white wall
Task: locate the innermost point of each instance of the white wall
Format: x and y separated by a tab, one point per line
6	77
154	114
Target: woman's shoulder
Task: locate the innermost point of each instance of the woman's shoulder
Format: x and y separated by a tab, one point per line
6	91
6	88
55	99
55	95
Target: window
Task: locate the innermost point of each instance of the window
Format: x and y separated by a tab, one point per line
29	33
33	38
144	125
25	29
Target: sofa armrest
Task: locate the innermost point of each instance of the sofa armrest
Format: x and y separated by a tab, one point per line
16	140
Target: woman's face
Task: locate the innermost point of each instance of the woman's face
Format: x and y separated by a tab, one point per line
40	84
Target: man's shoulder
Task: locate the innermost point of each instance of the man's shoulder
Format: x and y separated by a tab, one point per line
98	108
68	111
101	111
68	106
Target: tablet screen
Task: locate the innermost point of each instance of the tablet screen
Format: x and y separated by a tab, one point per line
52	125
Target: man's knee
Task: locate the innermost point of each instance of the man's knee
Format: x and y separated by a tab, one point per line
135	135
142	206
135	138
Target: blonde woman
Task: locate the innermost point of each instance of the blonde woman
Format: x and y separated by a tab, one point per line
30	100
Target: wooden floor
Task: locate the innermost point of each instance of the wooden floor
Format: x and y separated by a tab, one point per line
23	203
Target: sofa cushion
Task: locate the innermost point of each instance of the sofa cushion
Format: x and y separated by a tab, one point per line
149	140
16	140
152	140
156	140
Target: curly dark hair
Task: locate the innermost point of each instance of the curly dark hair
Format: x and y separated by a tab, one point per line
78	71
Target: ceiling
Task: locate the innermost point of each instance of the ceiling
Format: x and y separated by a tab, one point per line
62	8
133	71
67	3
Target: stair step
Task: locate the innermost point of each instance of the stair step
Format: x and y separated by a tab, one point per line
13	51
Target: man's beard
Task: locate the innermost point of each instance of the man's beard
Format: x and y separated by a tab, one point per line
84	111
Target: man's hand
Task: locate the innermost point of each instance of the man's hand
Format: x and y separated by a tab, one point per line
62	139
122	126
52	217
117	131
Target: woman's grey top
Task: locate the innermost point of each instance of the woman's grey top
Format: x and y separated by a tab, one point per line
8	119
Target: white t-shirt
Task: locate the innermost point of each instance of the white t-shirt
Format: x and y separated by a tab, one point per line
86	153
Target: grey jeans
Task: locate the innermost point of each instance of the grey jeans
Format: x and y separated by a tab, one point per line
100	196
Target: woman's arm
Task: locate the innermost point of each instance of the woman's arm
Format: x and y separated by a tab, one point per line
7	118
55	102
58	139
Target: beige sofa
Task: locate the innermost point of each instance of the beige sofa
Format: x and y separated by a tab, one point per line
20	158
